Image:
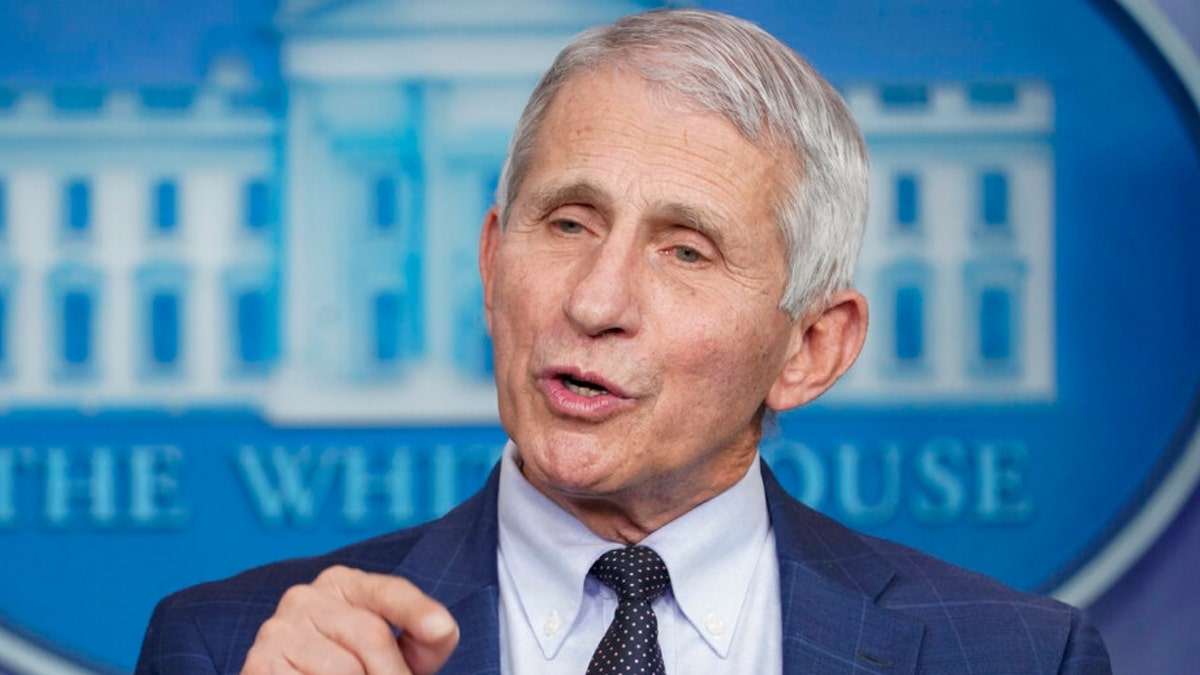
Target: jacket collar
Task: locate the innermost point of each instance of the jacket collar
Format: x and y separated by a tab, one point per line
830	581
455	561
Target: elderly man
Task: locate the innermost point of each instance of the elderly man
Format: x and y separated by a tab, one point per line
668	265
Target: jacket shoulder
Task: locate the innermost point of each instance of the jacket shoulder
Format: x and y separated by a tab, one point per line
971	618
209	627
964	621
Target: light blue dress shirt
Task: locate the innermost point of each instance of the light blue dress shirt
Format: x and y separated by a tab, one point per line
722	614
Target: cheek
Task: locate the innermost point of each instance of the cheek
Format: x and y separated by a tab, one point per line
521	305
730	354
505	320
513	290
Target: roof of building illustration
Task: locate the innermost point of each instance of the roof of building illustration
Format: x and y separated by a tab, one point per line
146	42
378	16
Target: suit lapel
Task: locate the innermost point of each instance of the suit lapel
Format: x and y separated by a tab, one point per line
829	584
478	649
455	562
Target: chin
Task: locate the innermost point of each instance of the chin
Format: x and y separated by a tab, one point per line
570	463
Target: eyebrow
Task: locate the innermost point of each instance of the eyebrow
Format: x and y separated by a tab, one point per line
546	200
696	218
699	219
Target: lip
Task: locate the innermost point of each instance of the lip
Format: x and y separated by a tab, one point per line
567	403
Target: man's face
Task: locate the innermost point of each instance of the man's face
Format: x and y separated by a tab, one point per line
633	300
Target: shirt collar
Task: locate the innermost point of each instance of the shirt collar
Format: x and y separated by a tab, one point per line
547	552
710	551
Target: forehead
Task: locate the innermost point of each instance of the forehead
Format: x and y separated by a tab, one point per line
609	133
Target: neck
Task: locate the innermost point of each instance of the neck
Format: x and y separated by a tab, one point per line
633	514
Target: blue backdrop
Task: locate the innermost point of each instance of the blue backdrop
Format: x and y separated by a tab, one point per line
239	315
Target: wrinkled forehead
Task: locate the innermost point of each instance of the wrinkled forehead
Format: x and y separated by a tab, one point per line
612	143
675	96
687	91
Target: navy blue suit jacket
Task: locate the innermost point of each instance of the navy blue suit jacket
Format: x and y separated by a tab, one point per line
851	603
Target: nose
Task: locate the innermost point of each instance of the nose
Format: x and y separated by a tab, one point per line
605	296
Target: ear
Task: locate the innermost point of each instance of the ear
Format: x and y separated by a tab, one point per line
823	346
489	243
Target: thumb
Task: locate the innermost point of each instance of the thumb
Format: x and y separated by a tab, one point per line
429	644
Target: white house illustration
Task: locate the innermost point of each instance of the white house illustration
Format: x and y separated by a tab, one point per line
958	261
306	248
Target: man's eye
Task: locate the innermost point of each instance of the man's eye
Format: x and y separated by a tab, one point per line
568	226
687	254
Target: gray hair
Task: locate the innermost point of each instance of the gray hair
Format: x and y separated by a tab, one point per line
732	68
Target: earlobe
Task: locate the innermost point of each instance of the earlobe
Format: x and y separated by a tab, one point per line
489	241
823	348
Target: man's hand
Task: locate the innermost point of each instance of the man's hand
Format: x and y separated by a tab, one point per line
342	624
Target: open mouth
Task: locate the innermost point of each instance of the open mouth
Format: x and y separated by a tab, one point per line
583	387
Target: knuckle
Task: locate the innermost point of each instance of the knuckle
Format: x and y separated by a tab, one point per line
296	596
343	570
272	630
339	576
332	573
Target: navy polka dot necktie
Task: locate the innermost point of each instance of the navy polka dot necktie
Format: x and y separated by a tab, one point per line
638	576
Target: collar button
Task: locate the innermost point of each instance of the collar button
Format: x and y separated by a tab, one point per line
715	626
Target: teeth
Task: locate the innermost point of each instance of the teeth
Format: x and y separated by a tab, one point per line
583	388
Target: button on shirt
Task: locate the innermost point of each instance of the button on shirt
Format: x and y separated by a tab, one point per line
721	615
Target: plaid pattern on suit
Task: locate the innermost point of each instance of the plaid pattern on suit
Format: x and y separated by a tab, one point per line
851	603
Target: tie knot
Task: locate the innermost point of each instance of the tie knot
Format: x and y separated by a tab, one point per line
634	572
